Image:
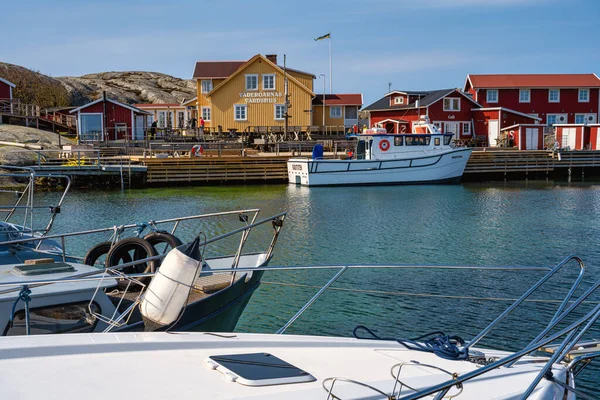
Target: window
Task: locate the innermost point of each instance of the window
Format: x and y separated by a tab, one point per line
554	95
580	118
279	111
206	85
74	317
399	100
451	104
417	140
91	127
584	95
398	140
466	129
181	119
436	141
335	112
447	139
351	112
550	119
492	96
524	96
206	113
240	112
268	81
252	82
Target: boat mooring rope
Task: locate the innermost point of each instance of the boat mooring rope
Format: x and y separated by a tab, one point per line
440	296
23	296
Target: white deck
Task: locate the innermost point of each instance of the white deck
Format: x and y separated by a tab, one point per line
171	366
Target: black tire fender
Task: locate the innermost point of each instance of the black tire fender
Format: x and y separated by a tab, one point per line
99	250
141	248
158	237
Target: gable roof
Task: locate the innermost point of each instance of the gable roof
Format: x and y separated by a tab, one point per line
216	69
157	105
426	99
501	81
249	62
8	82
190	101
132	108
354	99
507	110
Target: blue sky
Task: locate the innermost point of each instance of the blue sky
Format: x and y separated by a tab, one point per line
415	45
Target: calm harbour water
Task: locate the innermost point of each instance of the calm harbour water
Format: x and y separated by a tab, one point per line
476	224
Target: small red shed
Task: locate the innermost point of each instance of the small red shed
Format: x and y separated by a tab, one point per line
107	119
526	136
6	89
594	136
573	136
490	121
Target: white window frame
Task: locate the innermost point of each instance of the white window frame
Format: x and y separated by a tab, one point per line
452	109
466	131
282	106
208	83
263	81
550	96
335	115
240	106
80	134
251	76
205	111
399	100
582	118
487	95
555	118
587	97
523	91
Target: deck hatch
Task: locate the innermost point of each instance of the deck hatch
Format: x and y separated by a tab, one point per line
258	369
43	269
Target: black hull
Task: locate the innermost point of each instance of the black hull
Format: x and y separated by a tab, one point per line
448	181
218	312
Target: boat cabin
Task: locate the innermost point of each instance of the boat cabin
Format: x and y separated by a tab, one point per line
373	145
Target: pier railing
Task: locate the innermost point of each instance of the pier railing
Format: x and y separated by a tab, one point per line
16	108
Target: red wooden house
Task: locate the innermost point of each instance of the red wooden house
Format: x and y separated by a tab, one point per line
448	109
573	136
107	119
6	89
556	98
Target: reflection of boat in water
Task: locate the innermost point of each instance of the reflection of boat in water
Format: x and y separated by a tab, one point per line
426	156
275	366
45	289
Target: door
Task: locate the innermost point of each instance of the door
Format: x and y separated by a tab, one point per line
569	138
452	127
181	119
531	139
389	127
139	128
492	133
350	115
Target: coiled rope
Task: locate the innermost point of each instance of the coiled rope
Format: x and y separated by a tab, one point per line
25	298
440	344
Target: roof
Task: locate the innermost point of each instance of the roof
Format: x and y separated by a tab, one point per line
8	82
427	98
216	69
189	102
533	80
132	108
249	62
298	71
153	105
507	110
354	99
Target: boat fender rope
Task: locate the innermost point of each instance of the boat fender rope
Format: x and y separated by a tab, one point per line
440	344
141	227
25	298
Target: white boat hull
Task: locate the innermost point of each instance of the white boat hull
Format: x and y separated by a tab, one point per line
442	167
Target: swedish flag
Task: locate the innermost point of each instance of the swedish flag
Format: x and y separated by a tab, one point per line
327	36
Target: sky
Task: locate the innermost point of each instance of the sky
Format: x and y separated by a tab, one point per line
410	44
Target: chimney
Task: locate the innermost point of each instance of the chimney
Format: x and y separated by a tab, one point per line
272	58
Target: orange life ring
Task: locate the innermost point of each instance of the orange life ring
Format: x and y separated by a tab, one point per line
384	145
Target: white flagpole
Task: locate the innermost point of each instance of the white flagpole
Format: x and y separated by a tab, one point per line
330	67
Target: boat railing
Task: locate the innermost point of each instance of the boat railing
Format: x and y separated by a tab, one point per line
26	200
249	223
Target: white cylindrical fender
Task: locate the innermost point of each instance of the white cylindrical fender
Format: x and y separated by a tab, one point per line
168	291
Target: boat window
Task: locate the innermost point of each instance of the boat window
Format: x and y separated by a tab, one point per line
399	141
436	141
447	139
417	140
360	150
73	318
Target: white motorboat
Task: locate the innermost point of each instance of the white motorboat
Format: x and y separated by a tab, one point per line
425	156
274	366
